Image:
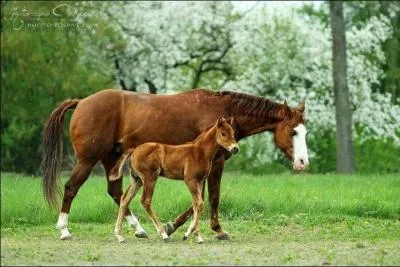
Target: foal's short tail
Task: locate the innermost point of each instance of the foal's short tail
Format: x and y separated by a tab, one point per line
52	151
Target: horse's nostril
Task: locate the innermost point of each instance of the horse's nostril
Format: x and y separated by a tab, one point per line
301	161
235	150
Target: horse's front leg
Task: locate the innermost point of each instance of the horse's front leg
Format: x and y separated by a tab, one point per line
214	182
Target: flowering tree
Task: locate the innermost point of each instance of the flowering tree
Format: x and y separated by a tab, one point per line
291	59
161	46
164	47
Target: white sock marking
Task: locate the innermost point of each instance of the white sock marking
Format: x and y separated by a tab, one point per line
133	221
62	222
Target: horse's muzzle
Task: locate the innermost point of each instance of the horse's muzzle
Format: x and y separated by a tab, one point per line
300	164
234	150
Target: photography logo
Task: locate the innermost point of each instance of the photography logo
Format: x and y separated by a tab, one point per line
60	16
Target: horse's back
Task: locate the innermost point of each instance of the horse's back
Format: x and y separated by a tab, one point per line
113	116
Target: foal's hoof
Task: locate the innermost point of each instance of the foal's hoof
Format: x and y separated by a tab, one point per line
223	236
184	237
167	239
169	228
120	239
141	235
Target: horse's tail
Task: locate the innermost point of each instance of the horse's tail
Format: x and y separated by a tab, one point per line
52	151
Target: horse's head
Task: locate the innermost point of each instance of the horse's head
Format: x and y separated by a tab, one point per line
226	135
290	136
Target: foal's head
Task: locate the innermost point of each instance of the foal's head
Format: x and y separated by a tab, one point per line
290	136
226	136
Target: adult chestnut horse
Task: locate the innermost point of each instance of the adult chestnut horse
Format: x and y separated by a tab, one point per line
107	123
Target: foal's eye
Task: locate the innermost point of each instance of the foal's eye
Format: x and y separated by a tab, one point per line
223	134
294	133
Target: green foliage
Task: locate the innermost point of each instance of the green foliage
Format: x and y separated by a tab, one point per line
41	68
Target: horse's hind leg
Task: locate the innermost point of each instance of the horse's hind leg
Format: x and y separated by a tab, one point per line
115	191
79	175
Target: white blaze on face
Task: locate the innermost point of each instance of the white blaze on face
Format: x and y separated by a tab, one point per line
300	154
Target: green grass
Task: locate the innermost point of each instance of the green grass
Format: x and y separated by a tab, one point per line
272	220
301	198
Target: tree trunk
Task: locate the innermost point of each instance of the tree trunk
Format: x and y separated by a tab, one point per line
344	143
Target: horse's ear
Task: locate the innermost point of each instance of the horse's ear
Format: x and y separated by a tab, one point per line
301	107
288	111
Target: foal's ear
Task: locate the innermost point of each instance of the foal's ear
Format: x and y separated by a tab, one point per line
220	121
230	120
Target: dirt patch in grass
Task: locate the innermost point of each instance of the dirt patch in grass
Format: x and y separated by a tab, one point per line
289	245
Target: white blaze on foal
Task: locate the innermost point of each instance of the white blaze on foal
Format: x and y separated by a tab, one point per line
300	154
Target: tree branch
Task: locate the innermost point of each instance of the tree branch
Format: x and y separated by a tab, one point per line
152	88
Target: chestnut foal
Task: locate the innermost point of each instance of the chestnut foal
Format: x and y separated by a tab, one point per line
189	162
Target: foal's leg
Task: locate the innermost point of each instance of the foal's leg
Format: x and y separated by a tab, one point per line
79	175
197	201
124	203
149	183
126	199
170	227
115	191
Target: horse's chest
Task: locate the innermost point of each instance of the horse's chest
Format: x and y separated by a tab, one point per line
201	170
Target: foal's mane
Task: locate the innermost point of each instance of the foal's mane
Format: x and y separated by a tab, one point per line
246	104
202	134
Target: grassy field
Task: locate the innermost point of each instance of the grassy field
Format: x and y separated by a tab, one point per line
280	219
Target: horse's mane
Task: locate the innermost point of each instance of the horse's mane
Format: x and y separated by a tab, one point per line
244	104
247	104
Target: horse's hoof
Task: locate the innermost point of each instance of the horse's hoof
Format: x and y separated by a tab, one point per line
200	241
67	236
169	228
223	236
184	237
141	235
167	239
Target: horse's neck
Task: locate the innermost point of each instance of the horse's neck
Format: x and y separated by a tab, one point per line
208	144
250	123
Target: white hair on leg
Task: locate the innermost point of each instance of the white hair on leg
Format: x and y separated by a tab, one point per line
62	225
133	222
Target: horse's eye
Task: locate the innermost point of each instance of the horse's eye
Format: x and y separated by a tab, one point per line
294	133
223	134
